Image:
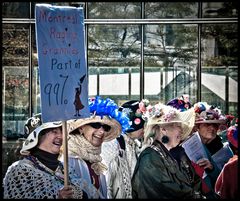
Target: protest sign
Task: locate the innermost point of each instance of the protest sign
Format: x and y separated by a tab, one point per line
62	62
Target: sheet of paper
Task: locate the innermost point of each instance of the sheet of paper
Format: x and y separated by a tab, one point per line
194	148
222	156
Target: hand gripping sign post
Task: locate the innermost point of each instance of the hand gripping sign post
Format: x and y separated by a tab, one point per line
62	65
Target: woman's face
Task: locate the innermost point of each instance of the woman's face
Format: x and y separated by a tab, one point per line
136	134
174	133
94	132
51	141
207	132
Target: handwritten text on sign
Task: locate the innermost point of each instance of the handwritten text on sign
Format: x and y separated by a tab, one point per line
62	62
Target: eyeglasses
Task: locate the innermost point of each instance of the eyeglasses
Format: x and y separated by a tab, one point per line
98	125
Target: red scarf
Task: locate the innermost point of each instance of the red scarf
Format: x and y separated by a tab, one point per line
199	170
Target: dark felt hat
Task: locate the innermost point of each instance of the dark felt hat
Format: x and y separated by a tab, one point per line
134	110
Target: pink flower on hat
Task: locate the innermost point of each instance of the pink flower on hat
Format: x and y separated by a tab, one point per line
169	116
142	106
208	113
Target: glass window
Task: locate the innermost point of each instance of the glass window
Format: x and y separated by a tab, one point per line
171	10
220	9
113	49
170	61
15	78
15	9
118	83
36	99
118	10
220	63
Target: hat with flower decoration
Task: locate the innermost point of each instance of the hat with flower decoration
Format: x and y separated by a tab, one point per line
33	127
134	109
206	113
161	115
182	103
104	111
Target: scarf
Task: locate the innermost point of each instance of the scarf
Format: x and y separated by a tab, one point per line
48	159
82	148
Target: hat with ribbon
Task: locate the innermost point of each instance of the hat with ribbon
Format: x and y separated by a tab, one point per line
161	115
33	127
104	112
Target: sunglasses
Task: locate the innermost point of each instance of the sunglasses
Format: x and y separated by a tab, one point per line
98	125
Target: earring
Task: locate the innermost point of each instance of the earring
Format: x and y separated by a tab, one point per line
165	139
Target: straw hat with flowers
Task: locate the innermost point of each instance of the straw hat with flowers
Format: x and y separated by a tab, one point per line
161	115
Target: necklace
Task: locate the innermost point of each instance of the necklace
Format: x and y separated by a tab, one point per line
58	173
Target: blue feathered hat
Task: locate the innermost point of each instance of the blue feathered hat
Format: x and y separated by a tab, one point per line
104	111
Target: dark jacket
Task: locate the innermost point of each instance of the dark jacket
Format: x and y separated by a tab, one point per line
158	175
215	145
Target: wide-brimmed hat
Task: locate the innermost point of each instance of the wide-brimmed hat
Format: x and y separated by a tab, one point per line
104	112
161	115
134	109
33	127
206	113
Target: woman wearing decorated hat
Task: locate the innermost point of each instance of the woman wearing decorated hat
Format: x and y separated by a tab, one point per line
39	175
121	165
157	174
182	103
86	137
210	116
208	121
